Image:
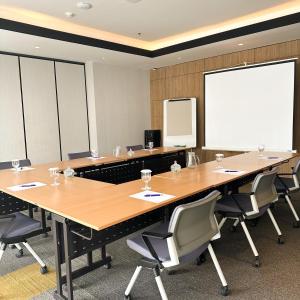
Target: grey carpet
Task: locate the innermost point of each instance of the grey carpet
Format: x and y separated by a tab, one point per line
277	278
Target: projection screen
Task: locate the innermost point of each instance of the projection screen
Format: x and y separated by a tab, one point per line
248	106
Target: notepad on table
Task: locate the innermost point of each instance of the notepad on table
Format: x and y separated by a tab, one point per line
229	171
26	186
95	158
152	196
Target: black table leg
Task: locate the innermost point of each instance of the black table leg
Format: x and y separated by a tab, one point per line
58	294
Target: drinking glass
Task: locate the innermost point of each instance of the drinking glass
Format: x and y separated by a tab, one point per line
94	153
15	164
146	177
261	149
219	158
150	146
54	174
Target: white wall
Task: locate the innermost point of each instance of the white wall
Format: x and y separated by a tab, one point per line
122	105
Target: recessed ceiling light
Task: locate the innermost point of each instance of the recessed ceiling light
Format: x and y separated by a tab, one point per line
69	14
37	47
134	1
84	5
240	44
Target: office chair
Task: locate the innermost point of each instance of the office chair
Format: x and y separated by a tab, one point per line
251	205
135	147
16	228
289	185
8	165
79	155
188	234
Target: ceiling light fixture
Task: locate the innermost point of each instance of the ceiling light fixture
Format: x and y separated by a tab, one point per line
134	1
37	47
84	5
240	44
69	14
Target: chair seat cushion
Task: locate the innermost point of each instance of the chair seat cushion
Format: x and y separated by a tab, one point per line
228	205
160	246
289	182
21	225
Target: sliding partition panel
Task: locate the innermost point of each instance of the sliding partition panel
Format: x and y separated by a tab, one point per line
40	110
12	141
72	107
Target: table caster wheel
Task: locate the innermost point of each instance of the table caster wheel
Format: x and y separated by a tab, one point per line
44	270
20	253
128	297
224	290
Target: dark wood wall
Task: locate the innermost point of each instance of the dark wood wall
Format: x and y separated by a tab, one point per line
186	80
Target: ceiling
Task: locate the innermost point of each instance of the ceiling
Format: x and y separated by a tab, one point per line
162	23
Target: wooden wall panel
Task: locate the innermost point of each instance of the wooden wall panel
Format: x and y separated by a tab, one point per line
186	80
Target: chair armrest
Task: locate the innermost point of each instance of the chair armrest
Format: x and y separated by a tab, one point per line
282	183
157	235
146	235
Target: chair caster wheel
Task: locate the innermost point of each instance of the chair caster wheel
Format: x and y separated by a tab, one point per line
12	246
296	224
280	241
224	290
200	260
108	266
257	263
20	253
44	270
127	297
49	217
232	229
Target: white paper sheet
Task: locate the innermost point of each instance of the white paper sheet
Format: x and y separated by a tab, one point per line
269	157
229	171
154	199
23	169
26	186
96	158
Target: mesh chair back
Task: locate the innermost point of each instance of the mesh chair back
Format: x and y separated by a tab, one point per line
135	147
296	171
79	155
7	164
264	189
194	224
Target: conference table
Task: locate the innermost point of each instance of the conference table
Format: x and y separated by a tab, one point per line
88	214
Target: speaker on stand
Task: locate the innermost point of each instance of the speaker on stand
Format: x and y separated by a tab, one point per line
153	136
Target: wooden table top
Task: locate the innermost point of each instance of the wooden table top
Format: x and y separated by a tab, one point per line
100	205
108	159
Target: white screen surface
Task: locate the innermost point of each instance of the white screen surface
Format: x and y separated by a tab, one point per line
250	106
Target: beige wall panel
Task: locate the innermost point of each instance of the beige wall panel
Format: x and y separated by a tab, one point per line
11	116
72	108
40	110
